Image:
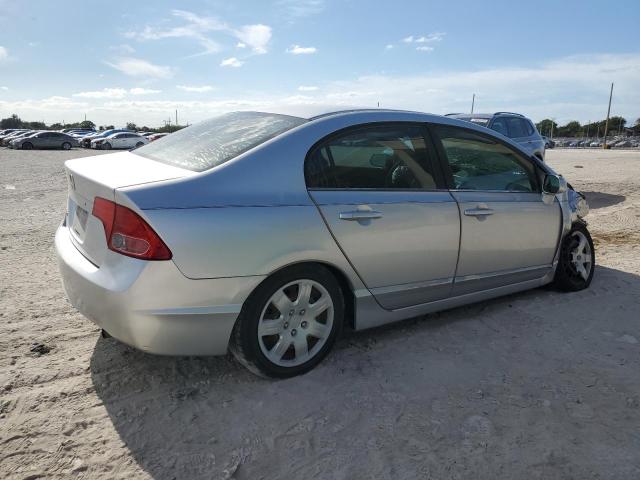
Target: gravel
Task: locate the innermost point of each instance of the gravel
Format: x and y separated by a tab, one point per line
534	385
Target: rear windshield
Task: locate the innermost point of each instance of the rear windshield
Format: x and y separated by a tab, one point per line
211	143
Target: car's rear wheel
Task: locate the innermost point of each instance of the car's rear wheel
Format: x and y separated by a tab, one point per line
106	146
66	146
577	260
27	146
289	324
139	144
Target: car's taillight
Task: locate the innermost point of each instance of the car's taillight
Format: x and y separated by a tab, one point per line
127	233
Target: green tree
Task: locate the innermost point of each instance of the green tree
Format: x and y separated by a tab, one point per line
87	124
11	122
132	126
544	127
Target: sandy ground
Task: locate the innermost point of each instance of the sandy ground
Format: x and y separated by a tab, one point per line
534	385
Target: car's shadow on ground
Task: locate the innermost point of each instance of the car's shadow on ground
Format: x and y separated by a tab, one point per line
449	385
601	200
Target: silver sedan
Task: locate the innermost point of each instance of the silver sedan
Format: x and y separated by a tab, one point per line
265	234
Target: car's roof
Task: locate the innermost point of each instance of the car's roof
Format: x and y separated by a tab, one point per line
485	115
314	112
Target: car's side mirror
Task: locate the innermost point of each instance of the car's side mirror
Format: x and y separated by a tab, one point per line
554	184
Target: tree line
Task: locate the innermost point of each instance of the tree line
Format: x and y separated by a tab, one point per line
14	121
617	125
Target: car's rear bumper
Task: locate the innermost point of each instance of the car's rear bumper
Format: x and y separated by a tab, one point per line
151	305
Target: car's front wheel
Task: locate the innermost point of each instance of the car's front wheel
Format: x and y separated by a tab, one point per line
27	146
289	324
66	146
106	146
577	260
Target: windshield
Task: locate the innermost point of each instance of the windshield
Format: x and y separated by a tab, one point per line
211	143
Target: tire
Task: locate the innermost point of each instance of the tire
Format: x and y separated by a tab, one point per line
570	277
27	146
66	146
106	146
271	342
139	144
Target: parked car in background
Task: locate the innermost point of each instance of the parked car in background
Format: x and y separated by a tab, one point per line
46	139
78	130
86	141
6	141
121	140
156	136
512	125
11	141
11	133
548	143
264	233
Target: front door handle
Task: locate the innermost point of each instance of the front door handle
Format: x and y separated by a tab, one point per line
478	212
360	215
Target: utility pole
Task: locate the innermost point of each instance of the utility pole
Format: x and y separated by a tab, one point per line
606	125
551	129
588	126
176	116
473	102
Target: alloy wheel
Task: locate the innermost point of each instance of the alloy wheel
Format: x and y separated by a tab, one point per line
581	258
295	323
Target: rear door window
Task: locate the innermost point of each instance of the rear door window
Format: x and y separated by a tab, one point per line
517	127
377	157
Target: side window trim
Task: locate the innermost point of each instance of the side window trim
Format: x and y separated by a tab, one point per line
448	173
432	157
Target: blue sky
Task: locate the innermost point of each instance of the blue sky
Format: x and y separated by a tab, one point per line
122	61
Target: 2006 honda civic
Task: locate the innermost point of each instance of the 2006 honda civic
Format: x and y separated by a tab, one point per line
264	234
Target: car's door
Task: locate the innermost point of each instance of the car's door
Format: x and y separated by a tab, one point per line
116	140
40	140
56	140
509	234
381	194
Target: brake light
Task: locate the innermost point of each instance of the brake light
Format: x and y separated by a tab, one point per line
127	233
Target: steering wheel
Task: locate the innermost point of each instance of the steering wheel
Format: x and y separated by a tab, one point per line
399	175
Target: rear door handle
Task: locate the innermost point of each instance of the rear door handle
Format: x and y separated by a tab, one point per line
478	212
360	215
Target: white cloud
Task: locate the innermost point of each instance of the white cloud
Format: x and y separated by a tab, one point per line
231	62
424	48
3	88
388	47
123	49
307	88
143	91
294	9
298	50
54	104
199	27
570	88
195	27
430	38
104	93
4	54
193	88
137	67
115	92
255	36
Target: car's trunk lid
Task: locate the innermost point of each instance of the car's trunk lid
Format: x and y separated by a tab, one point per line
100	176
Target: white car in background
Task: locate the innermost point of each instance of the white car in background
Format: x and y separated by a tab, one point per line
122	140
